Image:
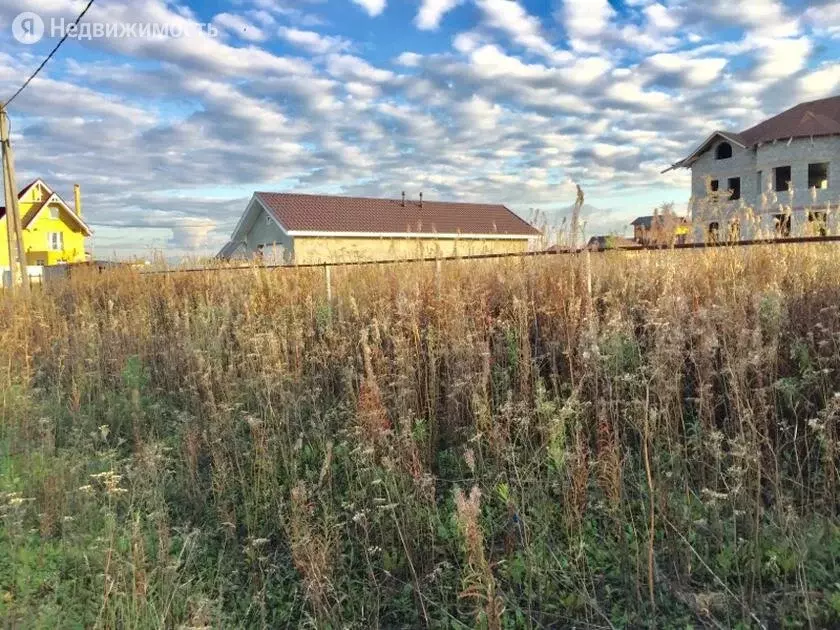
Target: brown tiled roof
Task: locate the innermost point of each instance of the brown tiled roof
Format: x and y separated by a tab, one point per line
814	118
326	213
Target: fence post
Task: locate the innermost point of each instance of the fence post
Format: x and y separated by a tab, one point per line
328	282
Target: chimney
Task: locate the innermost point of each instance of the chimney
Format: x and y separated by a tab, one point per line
403	200
77	198
421	200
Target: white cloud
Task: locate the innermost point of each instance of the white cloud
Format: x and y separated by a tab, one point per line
585	20
694	72
313	42
355	68
765	17
820	83
661	18
780	58
631	93
373	7
824	18
192	233
431	12
467	42
524	29
479	113
491	61
409	59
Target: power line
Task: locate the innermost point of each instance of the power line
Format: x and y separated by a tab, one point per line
67	32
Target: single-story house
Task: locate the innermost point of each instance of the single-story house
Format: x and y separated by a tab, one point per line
314	229
608	241
660	229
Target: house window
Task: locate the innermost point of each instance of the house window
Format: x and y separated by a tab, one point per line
714	231
782	225
723	151
734	231
714	185
55	241
40	262
53	213
781	175
818	175
818	223
734	186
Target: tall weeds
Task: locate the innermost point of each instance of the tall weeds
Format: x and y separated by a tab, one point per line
479	443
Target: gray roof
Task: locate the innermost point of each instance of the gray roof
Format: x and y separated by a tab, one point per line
231	249
645	221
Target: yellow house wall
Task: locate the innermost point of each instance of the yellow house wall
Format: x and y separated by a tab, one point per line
36	236
316	250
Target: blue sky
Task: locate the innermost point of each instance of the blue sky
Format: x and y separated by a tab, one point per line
510	101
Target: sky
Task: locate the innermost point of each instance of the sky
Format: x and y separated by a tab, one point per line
170	131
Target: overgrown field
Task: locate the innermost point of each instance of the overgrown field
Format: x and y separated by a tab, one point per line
486	447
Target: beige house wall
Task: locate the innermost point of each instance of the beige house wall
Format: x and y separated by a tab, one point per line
316	250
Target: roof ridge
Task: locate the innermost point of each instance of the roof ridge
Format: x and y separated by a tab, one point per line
395	200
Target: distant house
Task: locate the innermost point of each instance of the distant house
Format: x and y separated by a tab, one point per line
53	232
778	176
607	242
306	229
660	229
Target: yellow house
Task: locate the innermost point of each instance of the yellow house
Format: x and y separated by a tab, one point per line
53	233
315	229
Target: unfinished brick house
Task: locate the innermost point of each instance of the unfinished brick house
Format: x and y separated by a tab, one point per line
777	178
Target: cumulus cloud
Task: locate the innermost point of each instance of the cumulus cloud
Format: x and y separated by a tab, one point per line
192	234
313	42
779	58
511	18
373	7
585	20
350	67
685	71
630	93
820	83
824	18
661	18
431	12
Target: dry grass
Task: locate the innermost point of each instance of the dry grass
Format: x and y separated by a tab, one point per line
493	447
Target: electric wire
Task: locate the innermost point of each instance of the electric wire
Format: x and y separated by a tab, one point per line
50	56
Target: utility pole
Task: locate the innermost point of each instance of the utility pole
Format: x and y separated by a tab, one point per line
17	255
